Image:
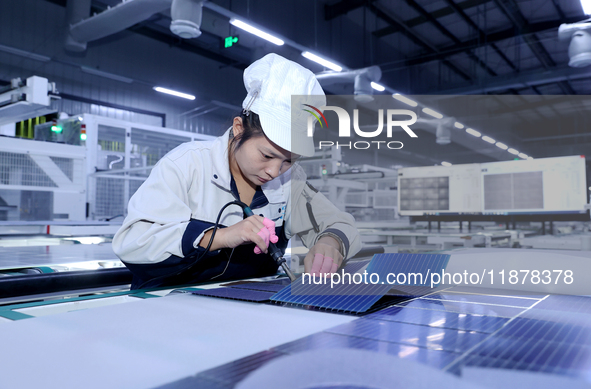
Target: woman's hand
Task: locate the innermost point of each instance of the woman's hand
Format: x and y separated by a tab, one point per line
324	257
243	232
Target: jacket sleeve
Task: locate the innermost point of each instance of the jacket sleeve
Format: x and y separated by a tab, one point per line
158	223
328	218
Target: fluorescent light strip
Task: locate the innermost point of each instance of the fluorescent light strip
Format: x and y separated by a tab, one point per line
255	31
530	158
473	132
405	100
112	76
429	111
378	87
513	151
522	155
26	54
586	4
445	163
501	146
174	93
458	125
488	139
322	61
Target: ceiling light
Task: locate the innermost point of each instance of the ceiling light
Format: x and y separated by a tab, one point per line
530	158
112	76
255	31
488	139
458	125
378	87
26	54
322	61
174	93
445	163
405	100
513	151
429	111
522	155
473	132
501	146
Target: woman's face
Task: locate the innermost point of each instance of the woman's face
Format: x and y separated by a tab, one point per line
259	160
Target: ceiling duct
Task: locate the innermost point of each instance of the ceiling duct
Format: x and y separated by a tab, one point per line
361	79
442	128
186	19
579	50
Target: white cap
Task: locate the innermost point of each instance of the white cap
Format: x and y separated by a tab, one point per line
270	82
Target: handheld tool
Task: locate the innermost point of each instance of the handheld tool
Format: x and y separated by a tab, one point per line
274	251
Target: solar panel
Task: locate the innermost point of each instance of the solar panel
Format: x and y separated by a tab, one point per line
235	294
352	297
262	286
402	333
442	319
445	335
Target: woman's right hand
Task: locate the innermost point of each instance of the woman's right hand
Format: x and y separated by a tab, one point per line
243	232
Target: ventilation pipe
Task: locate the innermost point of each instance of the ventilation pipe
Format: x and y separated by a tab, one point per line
443	128
186	19
76	10
361	79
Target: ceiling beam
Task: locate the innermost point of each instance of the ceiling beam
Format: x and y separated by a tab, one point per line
414	5
445	11
512	12
521	80
332	11
417	40
481	35
491	38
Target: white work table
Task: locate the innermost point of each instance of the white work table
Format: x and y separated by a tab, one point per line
145	343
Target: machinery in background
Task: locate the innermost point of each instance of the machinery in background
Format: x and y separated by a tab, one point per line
368	192
21	101
79	168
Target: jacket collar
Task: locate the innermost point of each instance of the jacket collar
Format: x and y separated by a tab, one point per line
220	174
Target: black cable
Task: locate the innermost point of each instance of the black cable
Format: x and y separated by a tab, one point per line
189	266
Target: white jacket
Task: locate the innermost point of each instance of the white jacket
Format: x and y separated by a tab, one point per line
193	182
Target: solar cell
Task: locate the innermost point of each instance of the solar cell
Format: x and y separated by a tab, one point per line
359	297
422	336
235	294
450	320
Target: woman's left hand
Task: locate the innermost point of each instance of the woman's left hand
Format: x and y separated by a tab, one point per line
324	257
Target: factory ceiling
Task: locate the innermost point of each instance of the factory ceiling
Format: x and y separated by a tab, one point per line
423	47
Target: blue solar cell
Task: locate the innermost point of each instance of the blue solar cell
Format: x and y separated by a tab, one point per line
322	340
425	264
349	298
572	304
263	286
463	307
352	297
235	294
414	335
353	267
484	299
531	355
525	329
442	319
235	371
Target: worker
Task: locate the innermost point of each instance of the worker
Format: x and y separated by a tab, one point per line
184	224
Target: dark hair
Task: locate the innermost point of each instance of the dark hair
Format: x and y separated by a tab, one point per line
251	128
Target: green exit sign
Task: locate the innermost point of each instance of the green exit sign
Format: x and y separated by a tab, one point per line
229	41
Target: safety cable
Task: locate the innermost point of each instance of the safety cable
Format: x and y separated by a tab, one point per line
189	266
